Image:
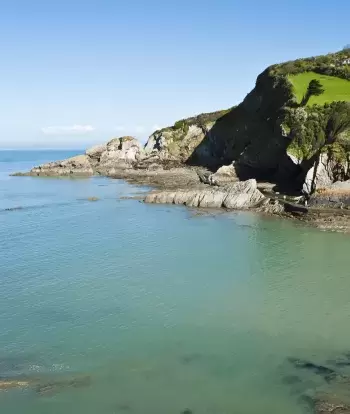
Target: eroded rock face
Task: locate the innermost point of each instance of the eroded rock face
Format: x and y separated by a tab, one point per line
240	195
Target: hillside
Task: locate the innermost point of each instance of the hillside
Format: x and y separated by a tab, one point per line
271	134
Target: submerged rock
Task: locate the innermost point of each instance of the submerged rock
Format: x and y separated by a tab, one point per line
7	384
330	404
59	385
316	368
240	195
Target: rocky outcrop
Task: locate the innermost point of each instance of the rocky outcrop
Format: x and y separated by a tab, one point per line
118	154
241	195
79	165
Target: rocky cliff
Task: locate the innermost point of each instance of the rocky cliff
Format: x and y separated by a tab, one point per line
271	135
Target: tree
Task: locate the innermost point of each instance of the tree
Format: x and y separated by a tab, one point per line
338	121
314	89
346	47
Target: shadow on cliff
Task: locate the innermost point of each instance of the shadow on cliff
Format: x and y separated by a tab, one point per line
251	135
251	141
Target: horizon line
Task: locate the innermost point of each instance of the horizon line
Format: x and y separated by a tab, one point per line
42	149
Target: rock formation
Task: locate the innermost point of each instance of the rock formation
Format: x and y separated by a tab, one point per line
79	165
240	195
119	153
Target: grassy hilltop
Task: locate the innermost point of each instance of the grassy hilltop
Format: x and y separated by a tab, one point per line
336	89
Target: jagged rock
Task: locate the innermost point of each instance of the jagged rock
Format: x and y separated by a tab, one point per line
240	195
78	165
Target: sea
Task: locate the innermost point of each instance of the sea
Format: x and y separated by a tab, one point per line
115	306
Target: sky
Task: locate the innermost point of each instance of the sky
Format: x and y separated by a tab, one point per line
76	73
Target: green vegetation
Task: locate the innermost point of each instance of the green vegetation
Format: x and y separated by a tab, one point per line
183	125
333	64
335	89
317	128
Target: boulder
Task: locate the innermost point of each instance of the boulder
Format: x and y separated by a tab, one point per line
241	195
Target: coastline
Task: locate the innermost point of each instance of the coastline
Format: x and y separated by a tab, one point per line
174	181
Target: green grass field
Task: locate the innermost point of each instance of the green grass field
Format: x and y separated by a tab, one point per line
336	89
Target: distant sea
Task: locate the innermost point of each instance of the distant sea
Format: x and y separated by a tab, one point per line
164	310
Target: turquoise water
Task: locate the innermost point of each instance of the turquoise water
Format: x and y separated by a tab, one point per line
165	310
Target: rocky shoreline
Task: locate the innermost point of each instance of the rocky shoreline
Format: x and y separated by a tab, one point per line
175	182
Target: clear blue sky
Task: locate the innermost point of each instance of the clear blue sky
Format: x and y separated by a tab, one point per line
73	73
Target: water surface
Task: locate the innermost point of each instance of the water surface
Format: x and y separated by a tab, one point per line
165	310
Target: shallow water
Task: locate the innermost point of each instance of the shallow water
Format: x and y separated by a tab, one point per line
163	309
